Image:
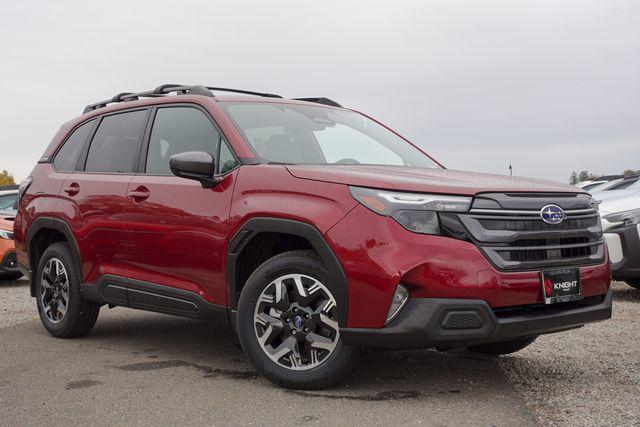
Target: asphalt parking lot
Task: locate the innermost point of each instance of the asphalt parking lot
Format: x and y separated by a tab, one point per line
143	369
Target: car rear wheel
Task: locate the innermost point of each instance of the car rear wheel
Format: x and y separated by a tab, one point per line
634	283
505	347
288	323
62	310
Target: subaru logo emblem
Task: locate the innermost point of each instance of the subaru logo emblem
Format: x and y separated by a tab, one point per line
298	322
552	214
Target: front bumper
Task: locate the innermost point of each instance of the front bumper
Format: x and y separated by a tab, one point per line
451	323
377	253
624	251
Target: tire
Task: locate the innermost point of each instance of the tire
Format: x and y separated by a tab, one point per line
80	316
506	347
634	283
10	276
302	350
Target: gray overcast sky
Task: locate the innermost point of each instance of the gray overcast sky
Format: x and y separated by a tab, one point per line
549	86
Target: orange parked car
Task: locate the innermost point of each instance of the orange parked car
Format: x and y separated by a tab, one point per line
8	265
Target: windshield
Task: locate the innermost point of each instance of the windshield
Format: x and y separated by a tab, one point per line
301	134
8	202
627	183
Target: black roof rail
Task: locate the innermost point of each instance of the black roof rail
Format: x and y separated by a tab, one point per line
632	176
162	89
608	177
245	92
323	101
166	89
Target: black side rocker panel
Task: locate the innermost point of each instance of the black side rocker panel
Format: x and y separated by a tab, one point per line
120	291
45	222
286	226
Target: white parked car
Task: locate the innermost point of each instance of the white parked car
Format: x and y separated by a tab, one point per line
625	188
587	185
600	182
621	224
8	200
603	186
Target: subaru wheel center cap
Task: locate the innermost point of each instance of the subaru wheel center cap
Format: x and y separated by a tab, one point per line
297	321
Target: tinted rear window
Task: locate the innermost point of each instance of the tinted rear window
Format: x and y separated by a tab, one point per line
115	146
67	157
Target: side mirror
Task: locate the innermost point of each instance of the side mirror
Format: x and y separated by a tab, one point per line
196	165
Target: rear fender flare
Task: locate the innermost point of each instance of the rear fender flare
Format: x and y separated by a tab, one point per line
42	223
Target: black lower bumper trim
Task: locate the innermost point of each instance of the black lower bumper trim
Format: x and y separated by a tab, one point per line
449	323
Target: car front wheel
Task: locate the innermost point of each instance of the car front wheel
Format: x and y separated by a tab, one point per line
288	323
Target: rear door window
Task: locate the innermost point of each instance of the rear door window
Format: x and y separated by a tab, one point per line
67	157
115	146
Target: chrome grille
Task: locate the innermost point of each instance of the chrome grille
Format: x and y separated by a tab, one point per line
508	229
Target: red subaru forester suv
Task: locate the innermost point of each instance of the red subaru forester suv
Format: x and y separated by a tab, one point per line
313	229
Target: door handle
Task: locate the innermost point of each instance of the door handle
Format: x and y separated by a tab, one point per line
72	189
139	194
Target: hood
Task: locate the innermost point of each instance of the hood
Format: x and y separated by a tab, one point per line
444	181
614	194
619	204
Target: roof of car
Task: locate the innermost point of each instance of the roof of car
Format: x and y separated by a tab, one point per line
167	94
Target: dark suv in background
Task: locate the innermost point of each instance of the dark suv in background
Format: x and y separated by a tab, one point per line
312	228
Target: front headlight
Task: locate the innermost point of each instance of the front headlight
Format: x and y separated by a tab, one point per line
414	211
6	235
621	219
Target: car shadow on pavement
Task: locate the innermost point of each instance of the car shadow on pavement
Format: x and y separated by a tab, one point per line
157	342
624	292
157	368
13	284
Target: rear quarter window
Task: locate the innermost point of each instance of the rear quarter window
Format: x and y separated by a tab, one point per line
67	157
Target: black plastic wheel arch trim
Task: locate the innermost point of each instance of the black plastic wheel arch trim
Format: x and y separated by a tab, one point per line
44	223
254	226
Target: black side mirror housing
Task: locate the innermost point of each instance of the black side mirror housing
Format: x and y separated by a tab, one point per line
196	165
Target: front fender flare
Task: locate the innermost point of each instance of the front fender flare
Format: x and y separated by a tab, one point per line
306	231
